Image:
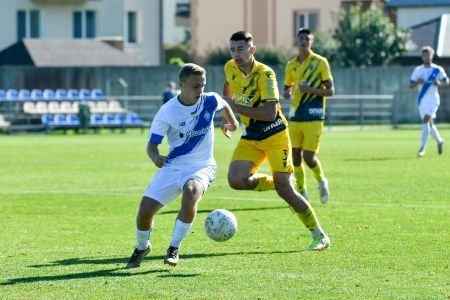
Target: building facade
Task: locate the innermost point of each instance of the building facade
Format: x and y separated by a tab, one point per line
272	22
131	25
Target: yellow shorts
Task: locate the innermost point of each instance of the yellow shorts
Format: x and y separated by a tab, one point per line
306	135
276	149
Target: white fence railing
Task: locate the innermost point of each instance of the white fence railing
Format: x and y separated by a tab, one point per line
340	109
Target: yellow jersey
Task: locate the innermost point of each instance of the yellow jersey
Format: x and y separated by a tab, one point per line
314	71
253	90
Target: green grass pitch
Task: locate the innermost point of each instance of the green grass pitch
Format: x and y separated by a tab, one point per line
67	224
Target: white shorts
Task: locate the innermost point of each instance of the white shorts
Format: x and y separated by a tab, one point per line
168	183
427	108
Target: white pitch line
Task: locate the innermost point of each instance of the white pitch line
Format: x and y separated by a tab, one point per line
119	193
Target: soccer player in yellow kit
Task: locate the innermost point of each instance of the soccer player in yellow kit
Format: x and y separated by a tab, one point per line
309	75
251	90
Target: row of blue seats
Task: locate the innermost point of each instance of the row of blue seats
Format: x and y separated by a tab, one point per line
49	94
95	119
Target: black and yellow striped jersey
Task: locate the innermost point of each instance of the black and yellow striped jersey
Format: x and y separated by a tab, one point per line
254	89
314	71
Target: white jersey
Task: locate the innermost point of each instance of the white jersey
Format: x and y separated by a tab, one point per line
428	92
189	130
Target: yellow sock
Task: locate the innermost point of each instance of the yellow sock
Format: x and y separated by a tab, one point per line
265	183
317	171
308	217
299	173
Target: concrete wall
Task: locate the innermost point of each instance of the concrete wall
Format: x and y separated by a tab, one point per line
153	81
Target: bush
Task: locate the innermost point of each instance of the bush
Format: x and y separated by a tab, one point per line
272	56
178	53
217	56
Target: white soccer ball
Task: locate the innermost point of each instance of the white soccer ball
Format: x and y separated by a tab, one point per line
220	225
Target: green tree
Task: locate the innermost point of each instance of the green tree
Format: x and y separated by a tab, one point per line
176	53
368	37
325	45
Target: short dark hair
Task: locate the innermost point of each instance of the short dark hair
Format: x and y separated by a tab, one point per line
241	36
190	69
302	30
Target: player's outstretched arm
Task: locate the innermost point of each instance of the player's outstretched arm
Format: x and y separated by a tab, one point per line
229	121
153	153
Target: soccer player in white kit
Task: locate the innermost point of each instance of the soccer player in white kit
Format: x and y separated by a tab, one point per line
429	77
189	168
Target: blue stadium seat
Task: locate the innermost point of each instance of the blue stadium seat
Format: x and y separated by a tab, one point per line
2	95
12	94
24	95
49	94
120	118
36	94
84	94
47	119
96	119
97	94
72	94
133	119
60	94
60	119
109	119
72	120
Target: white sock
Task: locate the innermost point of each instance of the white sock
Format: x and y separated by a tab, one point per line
179	233
435	134
425	132
143	238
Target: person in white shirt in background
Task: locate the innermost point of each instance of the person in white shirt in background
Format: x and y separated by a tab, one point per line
428	77
189	168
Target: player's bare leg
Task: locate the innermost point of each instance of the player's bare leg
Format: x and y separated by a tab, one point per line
144	221
192	193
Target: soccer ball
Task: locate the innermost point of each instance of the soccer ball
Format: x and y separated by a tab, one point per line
220	225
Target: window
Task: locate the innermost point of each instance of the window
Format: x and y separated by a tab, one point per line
90	24
21	24
77	25
306	19
183	10
28	24
84	25
132	27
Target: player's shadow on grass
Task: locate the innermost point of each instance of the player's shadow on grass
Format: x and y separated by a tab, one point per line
123	260
100	273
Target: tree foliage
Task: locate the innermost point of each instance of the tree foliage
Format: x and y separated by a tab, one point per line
176	53
368	37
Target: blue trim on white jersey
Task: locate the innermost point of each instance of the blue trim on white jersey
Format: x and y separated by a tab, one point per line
428	83
201	128
156	138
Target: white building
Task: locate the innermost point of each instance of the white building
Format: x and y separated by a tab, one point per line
176	22
134	25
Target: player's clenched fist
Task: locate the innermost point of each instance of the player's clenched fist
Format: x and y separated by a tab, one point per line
159	161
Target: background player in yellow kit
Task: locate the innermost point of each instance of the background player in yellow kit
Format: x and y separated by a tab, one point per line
309	75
